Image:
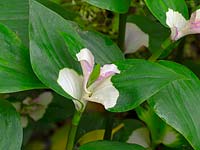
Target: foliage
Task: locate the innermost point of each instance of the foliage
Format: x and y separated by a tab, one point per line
155	98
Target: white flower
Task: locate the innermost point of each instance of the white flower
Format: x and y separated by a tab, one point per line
100	91
33	108
135	38
180	26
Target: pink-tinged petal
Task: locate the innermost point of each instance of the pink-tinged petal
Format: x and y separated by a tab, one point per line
107	71
44	99
71	82
195	22
177	23
86	59
103	92
135	38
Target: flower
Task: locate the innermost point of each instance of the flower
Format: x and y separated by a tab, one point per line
100	91
180	26
33	108
135	38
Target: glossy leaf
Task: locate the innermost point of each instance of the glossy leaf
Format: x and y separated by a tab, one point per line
172	90
14	14
47	45
108	145
48	51
103	48
65	13
11	129
15	68
178	105
160	7
119	6
153	29
138	76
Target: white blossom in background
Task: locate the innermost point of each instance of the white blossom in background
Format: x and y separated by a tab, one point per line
140	136
180	26
135	38
33	108
101	91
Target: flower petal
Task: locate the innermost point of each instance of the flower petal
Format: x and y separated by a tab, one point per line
140	136
195	22
107	71
86	59
104	92
37	114
177	24
71	82
135	38
44	98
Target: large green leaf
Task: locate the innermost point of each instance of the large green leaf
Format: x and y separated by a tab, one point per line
14	14
10	127
173	92
160	7
47	45
153	29
178	104
15	68
119	6
103	48
139	80
108	145
48	51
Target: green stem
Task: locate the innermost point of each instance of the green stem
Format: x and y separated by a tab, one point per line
109	126
122	30
73	129
159	52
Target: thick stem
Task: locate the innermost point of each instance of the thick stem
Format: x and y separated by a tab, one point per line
122	30
109	126
73	129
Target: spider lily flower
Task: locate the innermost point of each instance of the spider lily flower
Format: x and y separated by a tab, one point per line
77	86
135	38
180	26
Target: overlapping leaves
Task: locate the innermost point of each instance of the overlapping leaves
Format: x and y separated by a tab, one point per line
171	89
47	45
15	68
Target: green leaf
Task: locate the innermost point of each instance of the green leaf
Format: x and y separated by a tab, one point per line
160	7
48	51
103	48
15	68
178	105
160	131
139	80
47	45
11	129
109	145
119	6
153	29
94	75
58	110
65	13
129	126
14	14
172	89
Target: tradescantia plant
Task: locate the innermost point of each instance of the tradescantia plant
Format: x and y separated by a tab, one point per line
52	51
